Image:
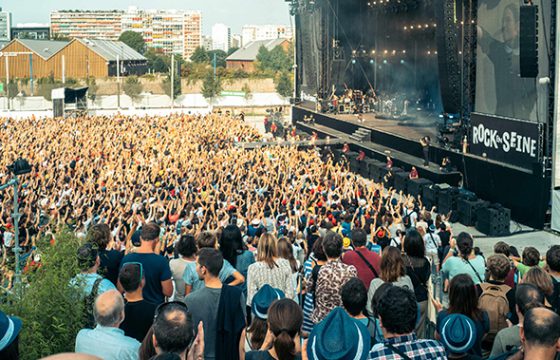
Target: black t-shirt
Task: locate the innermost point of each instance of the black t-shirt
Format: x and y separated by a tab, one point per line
138	317
419	271
110	261
156	270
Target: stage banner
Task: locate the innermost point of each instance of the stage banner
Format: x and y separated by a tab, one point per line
506	140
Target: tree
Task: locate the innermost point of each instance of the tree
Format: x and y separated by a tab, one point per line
46	85
275	60
220	57
134	40
132	87
284	85
12	88
166	85
263	58
92	88
200	55
247	90
51	318
211	86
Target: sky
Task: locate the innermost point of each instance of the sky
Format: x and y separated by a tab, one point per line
234	13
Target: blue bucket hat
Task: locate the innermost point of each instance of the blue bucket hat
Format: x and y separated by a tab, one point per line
458	333
338	337
263	299
10	326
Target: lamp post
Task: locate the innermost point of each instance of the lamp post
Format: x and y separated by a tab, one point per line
19	167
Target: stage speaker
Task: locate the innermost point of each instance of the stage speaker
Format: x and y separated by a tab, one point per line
401	181
467	210
337	154
528	41
447	200
416	186
493	220
363	168
375	169
430	196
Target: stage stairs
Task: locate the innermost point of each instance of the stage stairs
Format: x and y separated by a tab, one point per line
361	135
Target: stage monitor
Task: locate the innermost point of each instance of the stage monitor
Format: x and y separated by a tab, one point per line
500	89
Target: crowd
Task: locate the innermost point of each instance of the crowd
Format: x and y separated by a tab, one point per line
195	248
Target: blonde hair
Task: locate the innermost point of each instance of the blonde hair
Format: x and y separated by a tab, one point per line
540	279
267	250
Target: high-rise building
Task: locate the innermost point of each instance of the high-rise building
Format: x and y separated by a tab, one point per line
236	41
221	37
250	33
169	31
31	31
207	42
5	25
94	24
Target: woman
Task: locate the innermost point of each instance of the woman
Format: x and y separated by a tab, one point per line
462	259
463	299
186	248
538	277
286	251
283	337
311	268
419	270
234	251
392	271
269	269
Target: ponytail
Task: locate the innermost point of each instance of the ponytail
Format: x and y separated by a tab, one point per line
284	345
285	319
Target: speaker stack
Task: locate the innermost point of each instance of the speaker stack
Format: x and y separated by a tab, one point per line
363	168
374	168
430	196
493	220
447	200
416	186
467	210
337	154
351	156
528	41
388	175
401	181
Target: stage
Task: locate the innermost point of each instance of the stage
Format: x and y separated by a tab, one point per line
497	182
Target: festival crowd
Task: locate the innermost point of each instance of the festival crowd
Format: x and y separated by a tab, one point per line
194	247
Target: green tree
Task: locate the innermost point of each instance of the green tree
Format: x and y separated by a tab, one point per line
200	55
284	85
12	89
263	58
220	57
247	90
166	85
211	87
133	87
275	60
49	308
92	88
134	40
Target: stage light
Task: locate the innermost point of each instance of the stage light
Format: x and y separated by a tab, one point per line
402	61
426	25
373	52
371	61
404	51
353	61
353	52
385	51
419	26
405	28
394	52
385	61
429	52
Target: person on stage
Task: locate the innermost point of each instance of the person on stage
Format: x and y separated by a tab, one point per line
425	142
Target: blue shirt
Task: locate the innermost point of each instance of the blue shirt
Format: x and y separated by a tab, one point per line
87	281
156	269
456	265
108	343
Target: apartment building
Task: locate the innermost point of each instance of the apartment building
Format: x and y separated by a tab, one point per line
251	33
94	24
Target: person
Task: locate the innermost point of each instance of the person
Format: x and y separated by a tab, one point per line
228	274
269	269
235	252
138	313
463	299
433	244
186	248
553	268
413	175
425	143
540	334
109	314
209	304
330	279
366	262
527	297
283	336
397	315
458	336
338	336
497	298
530	257
419	271
392	271
503	248
354	300
156	267
543	281
174	332
10	328
286	251
253	337
110	259
311	269
92	282
147	349
465	261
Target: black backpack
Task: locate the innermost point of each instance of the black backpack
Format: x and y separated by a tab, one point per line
406	219
89	301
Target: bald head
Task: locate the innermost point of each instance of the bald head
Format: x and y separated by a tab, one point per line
541	327
109	309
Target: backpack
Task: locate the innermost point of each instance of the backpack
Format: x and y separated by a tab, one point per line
406	219
88	304
494	301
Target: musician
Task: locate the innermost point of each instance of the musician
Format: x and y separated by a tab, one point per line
425	143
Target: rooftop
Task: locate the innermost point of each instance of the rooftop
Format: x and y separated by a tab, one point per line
250	51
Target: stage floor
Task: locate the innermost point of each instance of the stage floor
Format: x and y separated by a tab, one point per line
423	124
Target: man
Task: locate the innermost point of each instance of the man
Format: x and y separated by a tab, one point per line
332	276
553	267
93	283
139	313
107	341
397	312
527	297
174	332
365	261
540	334
156	267
214	302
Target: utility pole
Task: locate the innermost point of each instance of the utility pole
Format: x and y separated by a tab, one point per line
214	65
7	82
31	73
118	83
172	79
63	70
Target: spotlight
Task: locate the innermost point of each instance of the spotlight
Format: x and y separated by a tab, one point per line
373	52
405	27
385	51
404	51
429	52
371	61
394	52
385	61
402	61
20	167
353	61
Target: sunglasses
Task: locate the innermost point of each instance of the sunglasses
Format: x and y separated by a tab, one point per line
139	265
